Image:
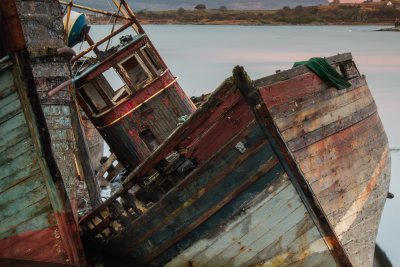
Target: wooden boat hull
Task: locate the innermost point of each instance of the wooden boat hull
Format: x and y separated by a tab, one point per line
254	196
36	221
339	143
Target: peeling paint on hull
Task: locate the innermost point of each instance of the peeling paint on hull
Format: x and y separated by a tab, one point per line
267	185
36	220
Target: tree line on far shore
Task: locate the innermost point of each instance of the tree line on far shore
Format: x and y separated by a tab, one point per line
330	14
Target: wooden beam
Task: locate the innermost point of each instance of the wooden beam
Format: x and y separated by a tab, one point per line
84	155
106	13
105	39
106	166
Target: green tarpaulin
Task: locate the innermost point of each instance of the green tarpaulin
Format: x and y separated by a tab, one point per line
325	71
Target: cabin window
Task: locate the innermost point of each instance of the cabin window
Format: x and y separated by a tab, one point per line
93	97
149	139
100	95
152	58
136	71
113	82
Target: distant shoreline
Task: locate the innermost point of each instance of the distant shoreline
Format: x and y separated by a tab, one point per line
316	15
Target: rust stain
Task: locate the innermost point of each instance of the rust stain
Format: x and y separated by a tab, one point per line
351	214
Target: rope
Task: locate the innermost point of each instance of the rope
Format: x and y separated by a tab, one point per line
113	27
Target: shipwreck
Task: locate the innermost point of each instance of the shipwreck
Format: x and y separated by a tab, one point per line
292	169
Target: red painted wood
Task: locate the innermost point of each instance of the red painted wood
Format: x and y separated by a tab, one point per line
227	102
296	87
221	132
43	245
136	99
59	243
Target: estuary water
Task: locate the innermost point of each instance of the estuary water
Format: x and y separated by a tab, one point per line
203	56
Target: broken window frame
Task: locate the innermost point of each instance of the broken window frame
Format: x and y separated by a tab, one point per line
147	52
144	67
105	92
149	63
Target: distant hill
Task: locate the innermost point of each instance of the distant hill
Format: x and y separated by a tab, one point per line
189	4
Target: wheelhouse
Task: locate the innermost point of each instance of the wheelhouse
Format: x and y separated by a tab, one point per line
132	98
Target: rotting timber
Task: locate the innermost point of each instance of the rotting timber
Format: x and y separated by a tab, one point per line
284	170
37	226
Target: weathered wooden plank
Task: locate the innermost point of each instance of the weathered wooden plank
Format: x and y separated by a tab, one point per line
289	74
262	216
355	161
106	165
332	128
337	146
212	175
211	230
301	245
7	83
355	143
34	217
15	243
12	153
219	229
213	199
44	251
336	155
13	131
221	103
224	129
10	202
18	177
338	175
225	200
10	106
359	240
292	107
286	91
237	256
322	107
359	196
19	164
326	118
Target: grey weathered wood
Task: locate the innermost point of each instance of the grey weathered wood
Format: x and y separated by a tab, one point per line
84	161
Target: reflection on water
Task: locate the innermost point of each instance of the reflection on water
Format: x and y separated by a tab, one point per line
203	56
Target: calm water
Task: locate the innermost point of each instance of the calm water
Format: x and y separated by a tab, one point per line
202	56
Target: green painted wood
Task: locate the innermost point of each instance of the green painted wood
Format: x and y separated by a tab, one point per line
9	107
18	164
11	202
24	174
17	150
28	219
7	83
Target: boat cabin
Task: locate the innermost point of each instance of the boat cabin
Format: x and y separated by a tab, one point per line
132	98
